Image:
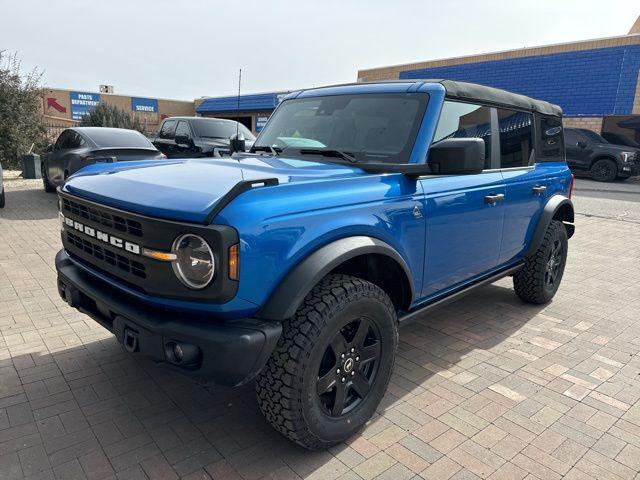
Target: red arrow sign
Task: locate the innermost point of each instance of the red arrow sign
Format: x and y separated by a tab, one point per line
53	103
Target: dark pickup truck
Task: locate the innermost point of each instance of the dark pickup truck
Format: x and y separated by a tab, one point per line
590	153
193	137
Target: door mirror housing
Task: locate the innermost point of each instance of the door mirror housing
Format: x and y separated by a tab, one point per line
183	139
237	143
457	156
581	144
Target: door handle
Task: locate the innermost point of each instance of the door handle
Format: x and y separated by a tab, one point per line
539	189
491	199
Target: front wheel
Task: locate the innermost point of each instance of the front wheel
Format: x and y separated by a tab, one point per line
604	170
538	280
333	363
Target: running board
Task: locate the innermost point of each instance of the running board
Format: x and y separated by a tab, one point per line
441	301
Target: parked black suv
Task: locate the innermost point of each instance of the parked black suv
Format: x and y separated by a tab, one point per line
192	137
590	153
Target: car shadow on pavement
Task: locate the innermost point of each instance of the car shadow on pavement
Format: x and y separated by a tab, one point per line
91	403
28	204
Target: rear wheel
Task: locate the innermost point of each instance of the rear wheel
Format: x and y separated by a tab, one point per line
538	280
332	364
604	170
45	181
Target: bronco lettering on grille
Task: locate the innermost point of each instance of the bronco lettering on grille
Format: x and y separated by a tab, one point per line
102	236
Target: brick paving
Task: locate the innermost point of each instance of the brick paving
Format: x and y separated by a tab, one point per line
487	387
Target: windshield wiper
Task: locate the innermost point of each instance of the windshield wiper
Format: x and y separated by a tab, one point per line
275	151
329	153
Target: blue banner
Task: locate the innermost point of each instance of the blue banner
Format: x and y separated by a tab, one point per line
82	103
144	105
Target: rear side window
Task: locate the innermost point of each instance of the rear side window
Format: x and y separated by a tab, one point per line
465	120
551	139
183	129
168	129
516	138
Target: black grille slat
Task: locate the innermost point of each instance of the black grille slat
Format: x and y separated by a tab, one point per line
107	256
102	217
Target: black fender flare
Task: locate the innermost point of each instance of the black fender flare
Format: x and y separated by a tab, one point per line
290	293
555	205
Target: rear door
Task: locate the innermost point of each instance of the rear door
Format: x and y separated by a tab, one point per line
183	150
464	213
527	181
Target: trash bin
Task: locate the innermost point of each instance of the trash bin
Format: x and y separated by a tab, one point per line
31	166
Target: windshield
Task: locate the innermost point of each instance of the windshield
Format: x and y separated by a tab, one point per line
370	127
218	128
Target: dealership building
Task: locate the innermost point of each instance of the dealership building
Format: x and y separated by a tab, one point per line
594	81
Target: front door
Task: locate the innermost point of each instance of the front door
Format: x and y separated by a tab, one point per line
578	149
464	213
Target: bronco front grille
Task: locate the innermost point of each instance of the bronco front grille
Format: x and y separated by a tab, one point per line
102	217
107	256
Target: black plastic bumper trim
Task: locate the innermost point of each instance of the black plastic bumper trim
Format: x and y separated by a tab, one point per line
232	352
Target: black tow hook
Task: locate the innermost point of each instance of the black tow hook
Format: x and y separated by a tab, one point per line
130	340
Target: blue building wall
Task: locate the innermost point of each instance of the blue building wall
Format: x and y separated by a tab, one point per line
589	82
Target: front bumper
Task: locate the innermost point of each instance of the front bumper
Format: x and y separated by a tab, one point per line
228	352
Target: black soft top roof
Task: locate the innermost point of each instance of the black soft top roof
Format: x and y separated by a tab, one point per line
496	96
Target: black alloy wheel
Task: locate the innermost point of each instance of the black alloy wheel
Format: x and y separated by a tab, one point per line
349	367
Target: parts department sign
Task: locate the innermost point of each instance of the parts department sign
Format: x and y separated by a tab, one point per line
144	105
82	103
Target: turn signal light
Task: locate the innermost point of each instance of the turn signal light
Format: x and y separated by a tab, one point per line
234	262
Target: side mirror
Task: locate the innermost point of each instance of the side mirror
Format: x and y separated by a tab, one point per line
237	143
183	139
457	156
581	144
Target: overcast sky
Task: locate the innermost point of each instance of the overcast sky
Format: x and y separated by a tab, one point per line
192	48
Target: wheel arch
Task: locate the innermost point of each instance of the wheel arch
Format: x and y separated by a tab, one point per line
362	256
603	156
558	207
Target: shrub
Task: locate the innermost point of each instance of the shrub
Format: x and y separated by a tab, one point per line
21	123
105	115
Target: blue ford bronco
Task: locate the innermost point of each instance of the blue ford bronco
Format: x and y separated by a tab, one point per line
358	208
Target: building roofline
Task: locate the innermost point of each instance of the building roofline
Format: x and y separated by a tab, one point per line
519	52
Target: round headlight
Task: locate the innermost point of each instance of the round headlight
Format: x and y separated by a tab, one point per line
194	264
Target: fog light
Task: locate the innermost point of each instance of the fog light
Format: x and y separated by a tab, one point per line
183	354
178	353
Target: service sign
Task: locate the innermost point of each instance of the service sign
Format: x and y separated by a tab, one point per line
144	105
261	121
82	103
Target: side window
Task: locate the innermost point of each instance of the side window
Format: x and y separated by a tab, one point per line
183	129
516	138
465	120
75	141
571	137
551	139
168	129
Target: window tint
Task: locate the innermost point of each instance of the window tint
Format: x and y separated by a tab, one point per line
118	137
516	138
75	141
63	140
168	129
593	136
551	139
183	129
218	128
571	137
465	120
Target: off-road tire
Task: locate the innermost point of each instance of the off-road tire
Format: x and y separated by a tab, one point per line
286	388
45	181
604	170
529	282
